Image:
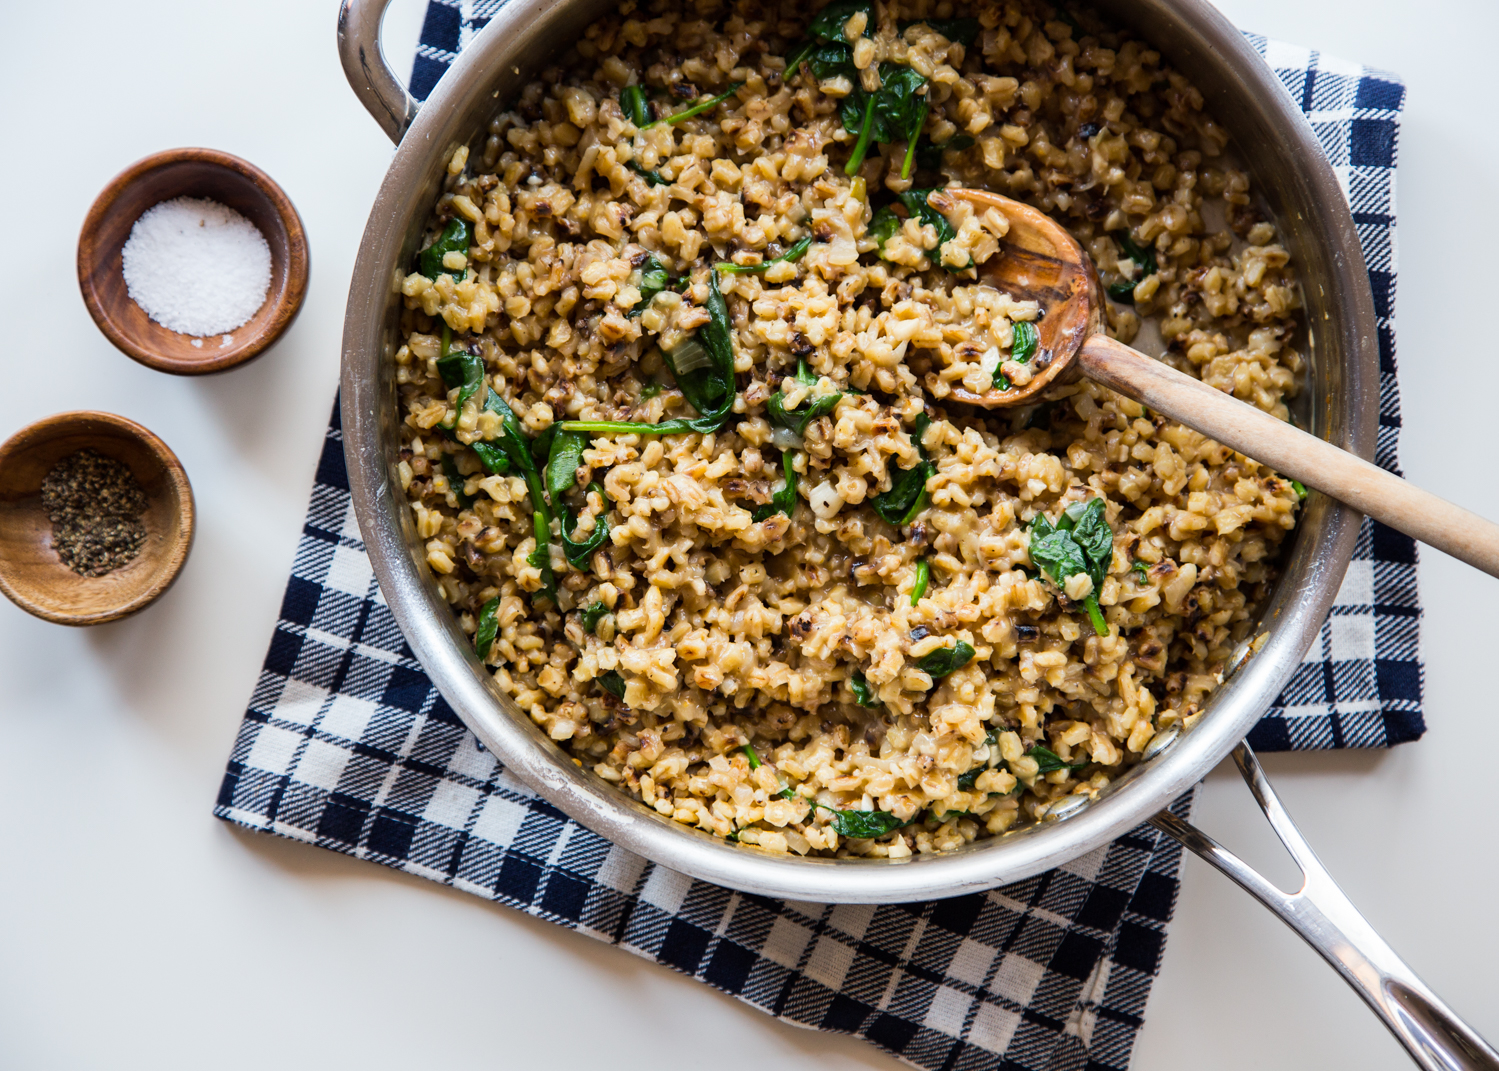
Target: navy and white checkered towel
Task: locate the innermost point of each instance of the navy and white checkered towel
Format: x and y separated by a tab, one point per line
347	745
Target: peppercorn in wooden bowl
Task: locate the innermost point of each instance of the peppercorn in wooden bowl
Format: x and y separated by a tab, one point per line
205	174
96	518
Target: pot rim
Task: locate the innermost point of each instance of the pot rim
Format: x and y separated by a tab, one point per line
1324	543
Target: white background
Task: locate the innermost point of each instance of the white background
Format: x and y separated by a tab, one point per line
137	931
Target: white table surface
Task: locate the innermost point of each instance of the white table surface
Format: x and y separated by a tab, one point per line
137	931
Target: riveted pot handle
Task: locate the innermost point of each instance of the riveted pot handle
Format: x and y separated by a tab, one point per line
1432	1033
383	94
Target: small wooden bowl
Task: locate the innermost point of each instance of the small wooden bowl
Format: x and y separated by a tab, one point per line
32	575
217	176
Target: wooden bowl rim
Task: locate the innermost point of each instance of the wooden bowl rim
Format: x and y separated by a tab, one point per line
297	267
47	428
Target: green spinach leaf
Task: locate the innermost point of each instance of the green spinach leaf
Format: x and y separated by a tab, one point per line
563	461
636	108
923	577
930	156
884	225
460	369
786	792
489	628
698	108
908	495
946	660
916	202
580	554
710	388
830	21
798	419
455	481
791	256
1024	341
863	825
541	557
1080	542
863	693
593	615
901	110
651	177
653	279
494	459
1048	761
784	500
456	237
1143	256
612	683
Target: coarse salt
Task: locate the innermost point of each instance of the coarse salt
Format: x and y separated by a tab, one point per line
196	266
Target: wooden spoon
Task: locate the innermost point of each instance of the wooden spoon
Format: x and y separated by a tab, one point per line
1040	261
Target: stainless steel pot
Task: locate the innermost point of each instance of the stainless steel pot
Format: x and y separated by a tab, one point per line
1341	405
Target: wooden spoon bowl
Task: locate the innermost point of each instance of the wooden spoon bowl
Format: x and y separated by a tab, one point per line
1039	261
31	574
205	173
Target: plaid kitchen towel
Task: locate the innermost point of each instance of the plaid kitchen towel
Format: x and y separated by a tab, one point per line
347	745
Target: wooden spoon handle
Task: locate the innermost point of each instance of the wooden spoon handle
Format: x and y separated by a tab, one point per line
1293	453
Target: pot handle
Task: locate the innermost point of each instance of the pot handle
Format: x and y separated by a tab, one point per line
383	94
1433	1035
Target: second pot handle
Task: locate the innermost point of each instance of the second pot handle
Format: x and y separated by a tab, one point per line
383	94
1326	919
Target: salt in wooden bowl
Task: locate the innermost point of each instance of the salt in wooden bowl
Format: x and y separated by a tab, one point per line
201	173
31	573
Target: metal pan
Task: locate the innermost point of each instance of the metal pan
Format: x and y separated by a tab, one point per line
1340	404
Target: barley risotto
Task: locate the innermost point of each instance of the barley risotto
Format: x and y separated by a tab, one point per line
678	441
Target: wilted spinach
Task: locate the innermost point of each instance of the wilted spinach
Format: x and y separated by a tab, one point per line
791	256
918	204
455	481
697	109
908	496
1022	348
1081	542
460	369
517	452
489	628
895	112
884	225
563	461
654	278
798	419
1048	761
1144	258
923	577
784	500
946	660
633	103
863	825
786	792
930	156
650	176
612	683
709	386
863	693
580	554
592	615
456	237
